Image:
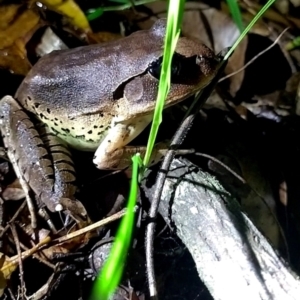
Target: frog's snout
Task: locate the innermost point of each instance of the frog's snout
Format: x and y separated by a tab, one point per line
207	65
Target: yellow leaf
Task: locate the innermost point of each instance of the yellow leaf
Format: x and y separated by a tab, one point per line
71	10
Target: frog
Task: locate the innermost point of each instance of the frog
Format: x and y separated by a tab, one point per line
100	97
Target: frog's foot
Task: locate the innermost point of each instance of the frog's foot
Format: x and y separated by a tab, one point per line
76	211
113	152
43	214
40	160
121	158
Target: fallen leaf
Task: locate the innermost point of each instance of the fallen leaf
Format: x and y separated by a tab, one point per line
71	10
15	25
13	191
5	273
102	37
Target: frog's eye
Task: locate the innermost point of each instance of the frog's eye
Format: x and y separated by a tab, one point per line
176	67
181	67
155	68
199	59
177	62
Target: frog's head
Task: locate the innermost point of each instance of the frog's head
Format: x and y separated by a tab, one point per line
194	65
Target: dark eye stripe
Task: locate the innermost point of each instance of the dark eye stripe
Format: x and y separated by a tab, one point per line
181	67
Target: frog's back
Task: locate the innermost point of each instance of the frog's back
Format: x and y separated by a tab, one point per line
85	80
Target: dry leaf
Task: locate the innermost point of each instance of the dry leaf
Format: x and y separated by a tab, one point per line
71	10
9	264
67	246
13	191
15	25
5	272
296	3
49	42
102	37
14	59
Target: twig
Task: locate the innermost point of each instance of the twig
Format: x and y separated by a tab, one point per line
223	165
94	226
11	294
25	188
21	270
13	218
256	56
36	256
12	262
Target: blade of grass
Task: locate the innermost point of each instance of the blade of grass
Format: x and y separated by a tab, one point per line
111	274
95	13
259	14
175	13
112	271
236	14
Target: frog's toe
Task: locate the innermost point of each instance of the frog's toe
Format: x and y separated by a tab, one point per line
109	161
58	207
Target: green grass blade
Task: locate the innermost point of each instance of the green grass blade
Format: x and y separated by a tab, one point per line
95	13
175	13
259	14
112	271
236	14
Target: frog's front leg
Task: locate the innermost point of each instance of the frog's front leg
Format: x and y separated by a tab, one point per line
113	152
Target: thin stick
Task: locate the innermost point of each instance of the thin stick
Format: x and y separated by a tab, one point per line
256	56
13	218
223	165
21	270
94	226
